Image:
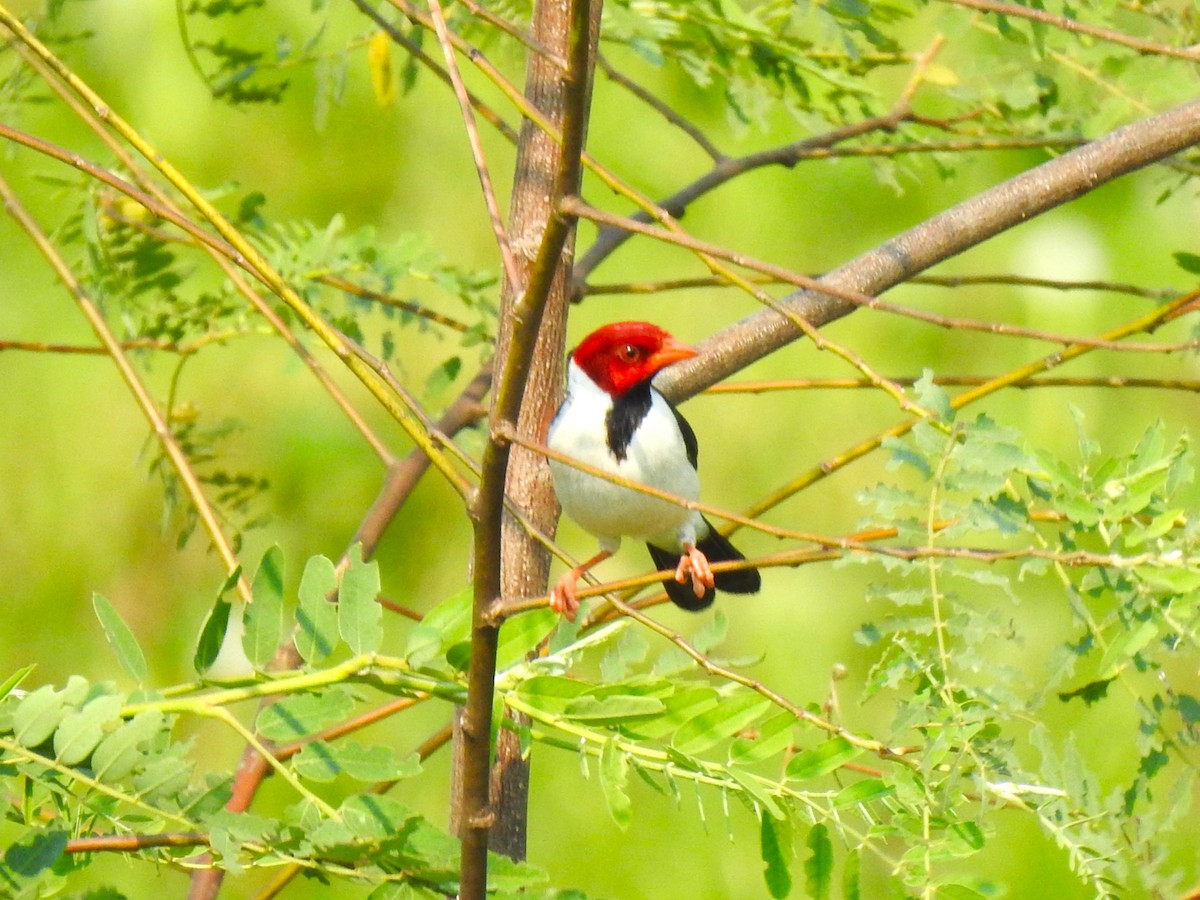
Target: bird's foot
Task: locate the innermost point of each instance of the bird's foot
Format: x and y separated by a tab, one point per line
562	596
693	563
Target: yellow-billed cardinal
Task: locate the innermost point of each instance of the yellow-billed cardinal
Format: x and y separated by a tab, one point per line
614	420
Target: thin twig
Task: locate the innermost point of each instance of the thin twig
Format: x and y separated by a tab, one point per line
1082	381
158	423
1062	23
472	130
672	116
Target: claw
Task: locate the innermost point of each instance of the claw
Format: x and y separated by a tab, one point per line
562	596
694	563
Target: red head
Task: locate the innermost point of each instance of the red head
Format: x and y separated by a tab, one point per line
623	354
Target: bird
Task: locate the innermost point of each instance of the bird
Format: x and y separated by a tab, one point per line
614	420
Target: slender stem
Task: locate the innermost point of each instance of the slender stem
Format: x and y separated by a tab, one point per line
985	215
157	421
481	168
1063	23
487	508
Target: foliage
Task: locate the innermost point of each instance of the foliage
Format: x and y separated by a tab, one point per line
1019	597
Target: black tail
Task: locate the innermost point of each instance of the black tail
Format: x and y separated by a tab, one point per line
718	549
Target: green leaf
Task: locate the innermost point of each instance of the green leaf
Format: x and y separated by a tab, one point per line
212	636
757	791
933	396
447	624
302	714
1090	693
375	816
612	709
119	753
775	846
614	781
14	680
551	693
263	620
680	707
37	716
520	635
35	853
121	639
1126	645
958	892
359	615
324	761
861	792
818	868
1189	262
850	875
774	737
317	617
714	725
80	732
821	760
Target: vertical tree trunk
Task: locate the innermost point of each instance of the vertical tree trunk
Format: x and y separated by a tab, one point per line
524	563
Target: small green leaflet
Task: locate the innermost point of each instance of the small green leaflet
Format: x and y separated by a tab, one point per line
1189	262
821	760
36	852
861	792
121	639
614	781
303	714
818	868
447	624
359	615
1127	645
317	617
13	680
263	622
775	845
212	633
37	716
79	732
324	761
774	736
722	721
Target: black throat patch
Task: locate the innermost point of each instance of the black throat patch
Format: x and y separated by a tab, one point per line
625	416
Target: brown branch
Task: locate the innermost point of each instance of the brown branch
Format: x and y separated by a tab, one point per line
416	309
1005	206
674	118
1085	381
472	130
609	238
403	476
947	281
128	843
577	207
565	101
1062	23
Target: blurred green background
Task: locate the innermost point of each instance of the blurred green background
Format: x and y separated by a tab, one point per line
79	512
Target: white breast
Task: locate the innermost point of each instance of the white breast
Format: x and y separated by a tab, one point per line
656	457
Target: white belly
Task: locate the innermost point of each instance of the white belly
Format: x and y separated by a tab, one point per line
657	458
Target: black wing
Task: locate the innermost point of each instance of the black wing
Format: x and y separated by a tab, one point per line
689	436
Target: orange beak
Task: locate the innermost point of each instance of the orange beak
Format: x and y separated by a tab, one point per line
671	351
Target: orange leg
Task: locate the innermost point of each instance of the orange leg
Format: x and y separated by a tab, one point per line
694	563
562	596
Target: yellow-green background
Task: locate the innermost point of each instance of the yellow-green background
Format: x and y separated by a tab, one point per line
78	512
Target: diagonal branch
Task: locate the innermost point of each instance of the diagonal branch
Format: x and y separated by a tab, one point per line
972	222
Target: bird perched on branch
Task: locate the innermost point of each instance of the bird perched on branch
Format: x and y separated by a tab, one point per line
613	420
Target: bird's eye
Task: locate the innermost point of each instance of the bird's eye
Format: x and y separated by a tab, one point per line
628	352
